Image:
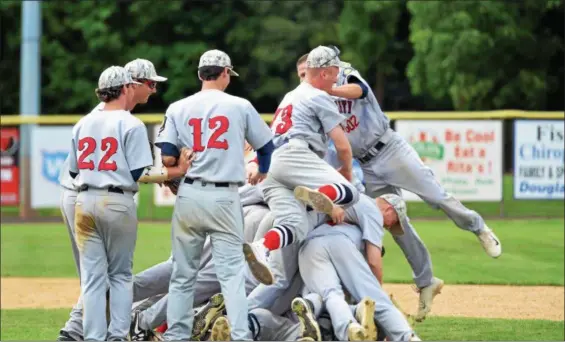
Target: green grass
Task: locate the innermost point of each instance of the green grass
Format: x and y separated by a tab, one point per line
511	208
45	325
532	252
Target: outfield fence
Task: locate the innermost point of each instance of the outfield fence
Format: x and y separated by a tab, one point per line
468	152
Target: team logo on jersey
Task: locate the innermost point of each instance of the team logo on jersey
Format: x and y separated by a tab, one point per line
51	163
162	128
428	145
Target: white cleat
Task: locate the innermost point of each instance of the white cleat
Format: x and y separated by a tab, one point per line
221	330
427	295
256	255
490	242
355	332
317	200
365	315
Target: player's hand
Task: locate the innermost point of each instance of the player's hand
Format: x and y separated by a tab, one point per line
338	214
256	177
346	172
186	158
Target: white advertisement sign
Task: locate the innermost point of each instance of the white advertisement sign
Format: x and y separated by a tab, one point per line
49	149
538	159
465	156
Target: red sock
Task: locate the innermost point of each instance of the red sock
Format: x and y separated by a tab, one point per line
330	191
272	240
162	328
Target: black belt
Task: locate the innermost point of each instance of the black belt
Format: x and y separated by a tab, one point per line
110	189
217	185
368	156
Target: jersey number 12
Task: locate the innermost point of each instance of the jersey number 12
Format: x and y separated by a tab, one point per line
218	124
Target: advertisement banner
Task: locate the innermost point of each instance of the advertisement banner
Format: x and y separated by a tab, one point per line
465	156
538	159
9	166
49	149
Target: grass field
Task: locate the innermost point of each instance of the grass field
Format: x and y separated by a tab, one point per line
532	255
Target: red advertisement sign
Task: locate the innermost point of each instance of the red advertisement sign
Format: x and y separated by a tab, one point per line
9	166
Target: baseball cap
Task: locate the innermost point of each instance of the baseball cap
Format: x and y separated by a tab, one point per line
143	69
323	57
115	76
217	58
400	207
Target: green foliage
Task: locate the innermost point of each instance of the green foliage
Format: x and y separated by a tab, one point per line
483	55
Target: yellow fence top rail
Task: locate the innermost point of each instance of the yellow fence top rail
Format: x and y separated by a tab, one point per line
69	119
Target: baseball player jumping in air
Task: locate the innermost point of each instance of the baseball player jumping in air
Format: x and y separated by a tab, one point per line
215	126
142	71
110	151
302	123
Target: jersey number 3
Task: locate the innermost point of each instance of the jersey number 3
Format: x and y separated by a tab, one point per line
282	120
87	146
218	124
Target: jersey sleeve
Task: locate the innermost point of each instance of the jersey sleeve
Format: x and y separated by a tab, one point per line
168	132
327	112
351	75
72	157
137	148
257	132
371	228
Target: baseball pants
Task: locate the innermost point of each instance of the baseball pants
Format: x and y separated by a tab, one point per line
294	164
106	235
270	327
250	194
399	165
200	211
328	261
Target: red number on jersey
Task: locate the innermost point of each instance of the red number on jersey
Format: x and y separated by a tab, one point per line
285	122
219	125
87	146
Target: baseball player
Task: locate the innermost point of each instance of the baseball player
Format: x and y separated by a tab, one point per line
110	152
305	118
142	71
215	125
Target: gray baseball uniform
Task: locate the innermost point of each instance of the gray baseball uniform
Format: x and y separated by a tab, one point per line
330	256
215	125
388	160
301	124
106	147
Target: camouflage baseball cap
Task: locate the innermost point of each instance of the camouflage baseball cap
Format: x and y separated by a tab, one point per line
217	58
323	57
115	76
143	69
400	207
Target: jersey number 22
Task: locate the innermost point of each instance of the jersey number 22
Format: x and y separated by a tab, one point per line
218	124
87	146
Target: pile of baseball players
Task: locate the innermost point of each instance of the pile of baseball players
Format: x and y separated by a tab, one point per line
286	247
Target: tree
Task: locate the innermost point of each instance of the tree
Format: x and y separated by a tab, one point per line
483	55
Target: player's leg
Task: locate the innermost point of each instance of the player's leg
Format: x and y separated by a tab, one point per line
145	319
187	243
358	279
399	165
227	241
152	281
118	223
94	267
267	326
320	277
252	217
250	194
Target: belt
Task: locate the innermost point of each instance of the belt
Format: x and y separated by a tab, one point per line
217	185
376	148
110	189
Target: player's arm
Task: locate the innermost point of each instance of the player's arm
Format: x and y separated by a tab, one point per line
167	140
374	259
344	153
73	164
354	87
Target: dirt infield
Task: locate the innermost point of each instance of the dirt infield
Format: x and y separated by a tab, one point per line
482	301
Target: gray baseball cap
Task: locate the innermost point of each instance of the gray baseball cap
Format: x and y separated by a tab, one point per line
143	69
115	76
400	207
323	57
217	58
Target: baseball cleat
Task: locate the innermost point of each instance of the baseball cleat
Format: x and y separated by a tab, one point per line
317	200
65	336
414	338
308	325
135	332
257	260
355	332
207	315
490	242
221	330
365	315
426	299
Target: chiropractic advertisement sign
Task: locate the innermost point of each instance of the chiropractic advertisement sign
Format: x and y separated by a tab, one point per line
538	159
465	156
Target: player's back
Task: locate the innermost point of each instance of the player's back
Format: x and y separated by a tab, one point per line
104	148
214	125
306	113
366	122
